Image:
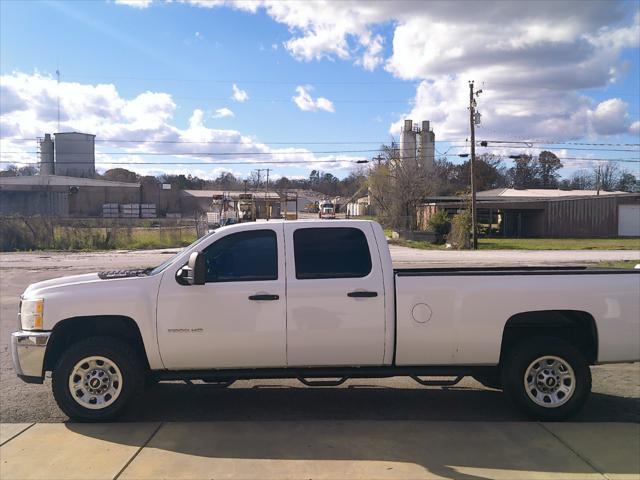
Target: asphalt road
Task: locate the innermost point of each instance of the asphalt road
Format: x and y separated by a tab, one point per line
616	388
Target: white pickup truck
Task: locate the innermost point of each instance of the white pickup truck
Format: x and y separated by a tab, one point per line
321	302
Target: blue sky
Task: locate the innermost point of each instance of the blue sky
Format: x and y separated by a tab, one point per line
362	68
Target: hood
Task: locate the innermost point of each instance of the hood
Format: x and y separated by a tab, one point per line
36	288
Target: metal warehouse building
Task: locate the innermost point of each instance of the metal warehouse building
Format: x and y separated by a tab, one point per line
549	213
61	196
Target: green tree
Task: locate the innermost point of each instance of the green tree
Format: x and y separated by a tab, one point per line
548	166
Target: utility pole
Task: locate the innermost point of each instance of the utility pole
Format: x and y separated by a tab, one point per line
266	188
58	89
598	180
473	119
266	194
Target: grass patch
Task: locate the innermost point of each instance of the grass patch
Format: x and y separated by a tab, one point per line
618	264
421	245
559	243
122	238
535	244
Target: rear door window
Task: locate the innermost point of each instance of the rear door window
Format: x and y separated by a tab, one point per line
331	253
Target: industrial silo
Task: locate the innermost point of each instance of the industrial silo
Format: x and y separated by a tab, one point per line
46	155
75	154
408	142
427	147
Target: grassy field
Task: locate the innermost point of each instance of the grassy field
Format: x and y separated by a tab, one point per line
620	264
559	243
537	244
135	238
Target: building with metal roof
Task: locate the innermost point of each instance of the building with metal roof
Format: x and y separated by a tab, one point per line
512	212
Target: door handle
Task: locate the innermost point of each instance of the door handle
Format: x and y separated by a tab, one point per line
360	294
264	297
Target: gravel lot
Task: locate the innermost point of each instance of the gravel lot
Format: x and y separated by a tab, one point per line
616	388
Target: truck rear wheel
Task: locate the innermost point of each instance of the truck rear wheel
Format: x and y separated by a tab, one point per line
547	378
96	378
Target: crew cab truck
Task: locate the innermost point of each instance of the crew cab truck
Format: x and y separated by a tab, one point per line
321	302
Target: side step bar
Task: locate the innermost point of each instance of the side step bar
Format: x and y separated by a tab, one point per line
437	383
322	383
310	374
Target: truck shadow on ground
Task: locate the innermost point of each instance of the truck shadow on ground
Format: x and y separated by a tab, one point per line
181	402
354	432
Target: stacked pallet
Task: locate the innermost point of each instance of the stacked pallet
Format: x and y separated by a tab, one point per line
130	210
110	210
148	210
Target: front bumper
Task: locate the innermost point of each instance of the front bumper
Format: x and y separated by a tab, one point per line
27	352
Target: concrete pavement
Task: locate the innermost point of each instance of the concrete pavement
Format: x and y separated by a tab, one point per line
401	256
321	449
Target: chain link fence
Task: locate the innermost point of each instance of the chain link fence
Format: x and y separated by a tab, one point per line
19	233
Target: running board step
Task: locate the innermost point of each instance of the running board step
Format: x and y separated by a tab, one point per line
437	383
322	383
213	383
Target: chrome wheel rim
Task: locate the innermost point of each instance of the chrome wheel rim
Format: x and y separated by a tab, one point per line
549	381
95	382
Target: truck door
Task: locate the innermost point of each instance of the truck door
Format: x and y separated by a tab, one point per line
335	296
237	318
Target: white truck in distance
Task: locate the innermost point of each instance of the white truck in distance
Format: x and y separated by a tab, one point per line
315	300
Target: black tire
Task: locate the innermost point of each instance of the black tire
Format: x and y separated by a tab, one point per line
490	380
523	355
122	355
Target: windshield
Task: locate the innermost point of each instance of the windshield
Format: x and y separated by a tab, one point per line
169	261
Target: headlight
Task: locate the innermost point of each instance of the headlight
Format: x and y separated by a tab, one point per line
31	314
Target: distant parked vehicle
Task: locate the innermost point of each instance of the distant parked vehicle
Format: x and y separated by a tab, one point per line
314	300
327	210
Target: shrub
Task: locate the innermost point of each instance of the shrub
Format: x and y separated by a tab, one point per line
439	223
460	235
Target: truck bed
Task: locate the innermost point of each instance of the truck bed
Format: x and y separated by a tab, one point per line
516	270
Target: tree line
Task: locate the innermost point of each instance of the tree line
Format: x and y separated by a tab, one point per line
448	177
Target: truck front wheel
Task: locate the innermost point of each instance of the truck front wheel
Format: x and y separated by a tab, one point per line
547	378
96	378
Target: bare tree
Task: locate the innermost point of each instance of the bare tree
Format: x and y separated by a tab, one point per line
398	187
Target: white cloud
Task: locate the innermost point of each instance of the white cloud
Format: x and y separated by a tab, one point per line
307	103
635	128
372	56
135	3
239	95
223	112
610	117
28	103
533	57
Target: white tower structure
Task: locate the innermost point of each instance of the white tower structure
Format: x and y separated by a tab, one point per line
408	142
427	152
46	155
417	144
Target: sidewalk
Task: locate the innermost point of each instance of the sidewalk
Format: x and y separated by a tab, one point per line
321	449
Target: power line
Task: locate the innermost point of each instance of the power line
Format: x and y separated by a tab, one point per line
541	142
341	142
212	154
248	81
295	162
262	162
567	148
356	142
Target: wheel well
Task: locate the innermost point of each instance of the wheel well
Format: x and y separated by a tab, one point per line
69	331
574	326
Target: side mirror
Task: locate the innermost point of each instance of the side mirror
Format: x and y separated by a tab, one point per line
197	269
